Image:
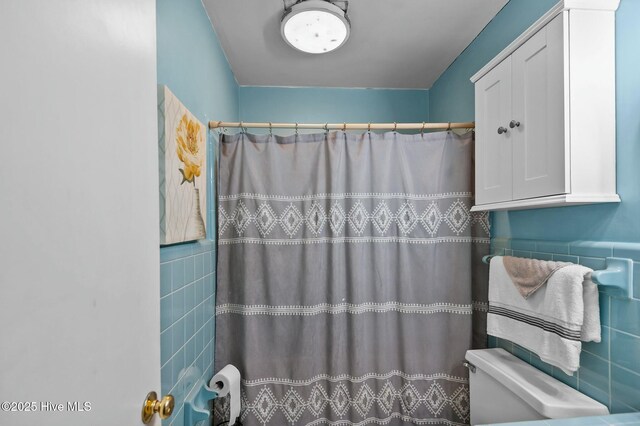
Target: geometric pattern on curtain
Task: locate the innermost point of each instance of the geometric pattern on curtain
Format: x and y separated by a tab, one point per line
350	281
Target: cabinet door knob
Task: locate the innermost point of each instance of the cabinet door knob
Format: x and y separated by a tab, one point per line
502	130
514	124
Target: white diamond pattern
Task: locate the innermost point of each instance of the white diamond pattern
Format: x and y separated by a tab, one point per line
310	221
293	406
241	218
340	400
406	218
291	220
431	219
244	403
482	218
265	405
265	219
382	218
223	220
316	218
409	398
387	397
435	399
317	400
358	217
337	218
460	402
364	400
457	217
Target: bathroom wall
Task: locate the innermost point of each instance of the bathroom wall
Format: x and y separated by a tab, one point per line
609	371
323	105
192	64
585	234
452	99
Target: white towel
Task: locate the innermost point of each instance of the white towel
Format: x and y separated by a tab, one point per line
553	321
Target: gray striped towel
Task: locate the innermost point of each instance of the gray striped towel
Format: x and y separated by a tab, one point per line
553	321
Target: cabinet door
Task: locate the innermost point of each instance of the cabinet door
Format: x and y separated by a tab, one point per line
538	106
493	149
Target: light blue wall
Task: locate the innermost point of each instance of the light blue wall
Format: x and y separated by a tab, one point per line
452	99
610	371
333	105
187	319
192	64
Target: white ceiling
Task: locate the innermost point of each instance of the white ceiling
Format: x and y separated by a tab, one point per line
393	43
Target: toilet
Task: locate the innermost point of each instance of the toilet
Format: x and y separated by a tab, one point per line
504	388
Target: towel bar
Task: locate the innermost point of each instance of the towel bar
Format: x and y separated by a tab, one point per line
487	259
617	276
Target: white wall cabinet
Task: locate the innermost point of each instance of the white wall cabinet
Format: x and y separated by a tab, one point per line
494	161
545	113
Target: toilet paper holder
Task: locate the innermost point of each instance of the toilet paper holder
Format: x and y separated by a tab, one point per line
196	405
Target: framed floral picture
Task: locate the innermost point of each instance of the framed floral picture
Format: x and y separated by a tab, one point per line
182	147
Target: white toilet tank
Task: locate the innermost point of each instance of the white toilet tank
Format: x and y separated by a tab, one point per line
504	388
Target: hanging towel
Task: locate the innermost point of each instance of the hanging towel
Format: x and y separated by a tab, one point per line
553	321
528	275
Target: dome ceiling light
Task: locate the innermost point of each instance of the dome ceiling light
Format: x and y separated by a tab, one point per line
315	26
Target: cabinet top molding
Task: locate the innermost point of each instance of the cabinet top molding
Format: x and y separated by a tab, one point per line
598	5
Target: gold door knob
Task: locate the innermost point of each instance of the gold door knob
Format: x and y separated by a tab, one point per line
151	405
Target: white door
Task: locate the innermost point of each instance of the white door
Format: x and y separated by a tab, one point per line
493	147
79	257
537	122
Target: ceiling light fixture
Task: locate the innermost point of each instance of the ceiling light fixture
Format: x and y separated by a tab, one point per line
315	26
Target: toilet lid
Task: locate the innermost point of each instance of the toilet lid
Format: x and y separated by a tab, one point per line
548	396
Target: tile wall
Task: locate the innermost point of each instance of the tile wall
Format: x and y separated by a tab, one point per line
187	320
610	370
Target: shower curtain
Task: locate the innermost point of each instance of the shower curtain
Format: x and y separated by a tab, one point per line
349	271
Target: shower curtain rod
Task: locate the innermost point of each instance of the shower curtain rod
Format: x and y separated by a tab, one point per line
346	126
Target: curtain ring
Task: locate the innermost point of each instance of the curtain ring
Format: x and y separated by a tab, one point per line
395	126
270	129
326	127
369	127
296	128
449	127
241	128
344	127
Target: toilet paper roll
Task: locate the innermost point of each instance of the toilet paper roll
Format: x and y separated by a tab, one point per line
227	382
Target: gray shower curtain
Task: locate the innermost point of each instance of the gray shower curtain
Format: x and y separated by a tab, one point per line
349	271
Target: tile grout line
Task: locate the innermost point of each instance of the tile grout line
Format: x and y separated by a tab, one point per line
622	332
191	364
181	409
187	313
207	278
192	336
594	258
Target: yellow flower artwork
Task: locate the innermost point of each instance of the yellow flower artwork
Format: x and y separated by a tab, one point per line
182	147
188	142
